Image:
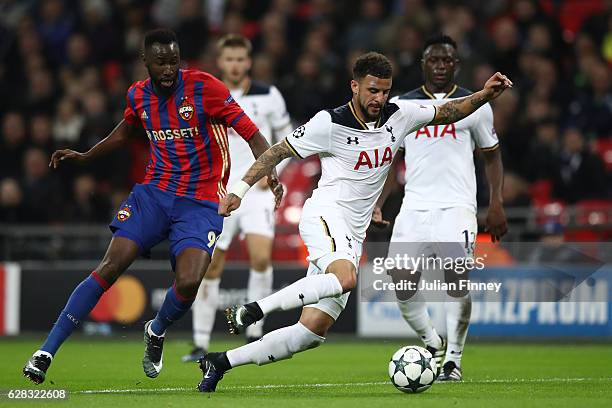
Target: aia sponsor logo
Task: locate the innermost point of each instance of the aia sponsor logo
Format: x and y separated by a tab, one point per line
186	110
437	131
124	213
374	159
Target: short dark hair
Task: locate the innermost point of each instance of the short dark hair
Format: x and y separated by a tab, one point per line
372	63
160	35
234	40
439	39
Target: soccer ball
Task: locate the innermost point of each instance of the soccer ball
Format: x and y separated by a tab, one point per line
412	369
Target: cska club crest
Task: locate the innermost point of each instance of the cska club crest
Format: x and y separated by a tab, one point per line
124	213
186	110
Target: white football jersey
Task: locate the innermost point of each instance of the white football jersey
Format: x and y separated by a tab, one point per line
355	156
439	159
265	106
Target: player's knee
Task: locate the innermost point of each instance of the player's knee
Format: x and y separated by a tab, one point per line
457	294
345	272
316	321
404	276
188	286
350	281
260	262
453	279
109	270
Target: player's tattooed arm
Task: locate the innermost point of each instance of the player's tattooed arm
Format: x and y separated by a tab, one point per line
458	109
259	145
266	162
262	167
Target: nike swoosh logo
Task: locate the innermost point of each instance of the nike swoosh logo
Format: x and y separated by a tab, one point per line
158	367
238	318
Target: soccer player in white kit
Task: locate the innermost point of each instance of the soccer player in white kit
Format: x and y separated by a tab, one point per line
265	105
356	143
439	204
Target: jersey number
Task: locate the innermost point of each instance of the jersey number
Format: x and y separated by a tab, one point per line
469	243
212	238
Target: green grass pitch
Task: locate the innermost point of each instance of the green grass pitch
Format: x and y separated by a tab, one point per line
341	373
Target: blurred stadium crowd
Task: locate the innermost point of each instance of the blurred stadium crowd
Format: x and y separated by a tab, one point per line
66	64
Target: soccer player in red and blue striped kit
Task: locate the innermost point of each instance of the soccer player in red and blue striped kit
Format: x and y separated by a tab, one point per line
185	114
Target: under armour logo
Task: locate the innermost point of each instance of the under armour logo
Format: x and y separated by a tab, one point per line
301	297
299	132
271	358
390	130
350	140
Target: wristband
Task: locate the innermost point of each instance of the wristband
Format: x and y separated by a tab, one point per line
240	188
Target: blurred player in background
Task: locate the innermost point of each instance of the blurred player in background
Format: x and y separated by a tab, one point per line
439	203
264	104
185	114
356	143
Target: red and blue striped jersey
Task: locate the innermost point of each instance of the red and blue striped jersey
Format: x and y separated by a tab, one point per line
188	133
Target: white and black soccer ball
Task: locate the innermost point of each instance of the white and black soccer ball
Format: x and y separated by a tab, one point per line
412	369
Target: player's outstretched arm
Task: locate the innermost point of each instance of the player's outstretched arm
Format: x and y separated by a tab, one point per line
496	223
263	166
458	109
117	137
266	162
259	145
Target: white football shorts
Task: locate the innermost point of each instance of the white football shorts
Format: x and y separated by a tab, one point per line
254	216
327	237
445	232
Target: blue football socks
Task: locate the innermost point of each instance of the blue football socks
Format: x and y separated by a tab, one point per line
173	308
82	300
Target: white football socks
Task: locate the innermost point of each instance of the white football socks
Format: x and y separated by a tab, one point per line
277	345
204	310
458	312
416	315
305	291
258	287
